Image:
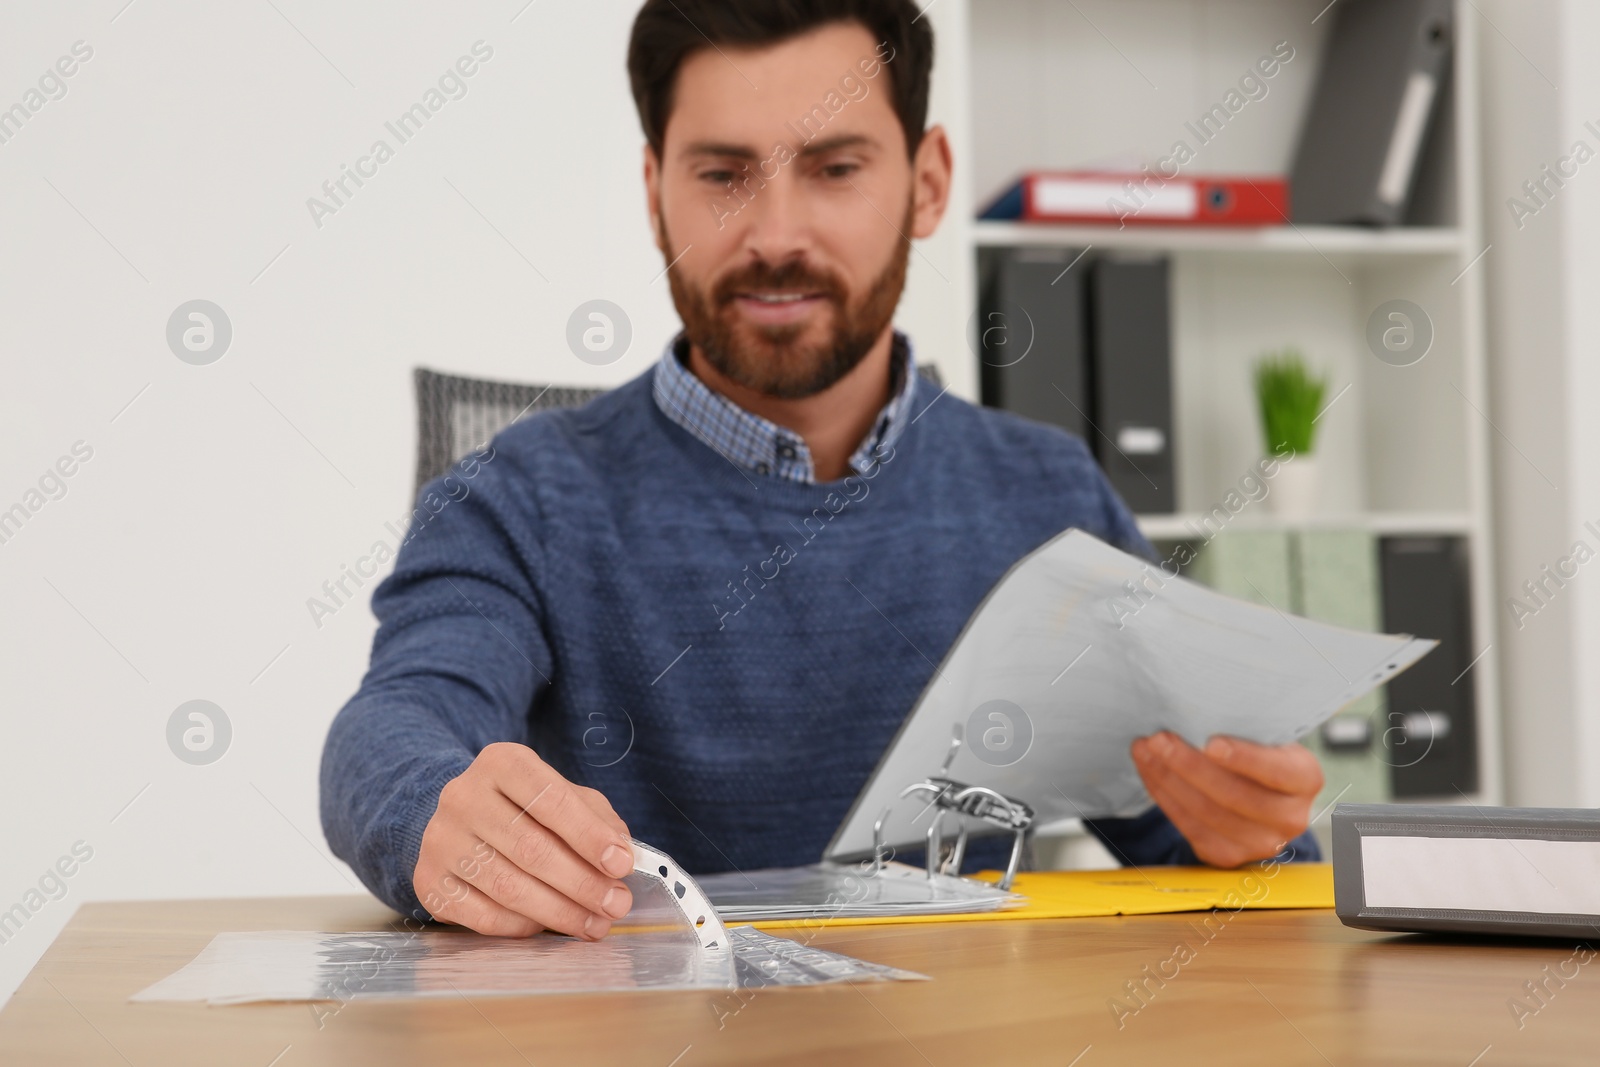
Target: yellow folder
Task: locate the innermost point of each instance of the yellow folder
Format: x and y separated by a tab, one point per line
1134	891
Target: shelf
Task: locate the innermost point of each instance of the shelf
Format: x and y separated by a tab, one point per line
1286	240
1405	452
1187	526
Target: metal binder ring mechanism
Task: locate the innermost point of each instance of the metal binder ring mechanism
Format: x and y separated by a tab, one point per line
944	794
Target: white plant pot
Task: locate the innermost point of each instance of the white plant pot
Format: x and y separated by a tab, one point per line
1294	488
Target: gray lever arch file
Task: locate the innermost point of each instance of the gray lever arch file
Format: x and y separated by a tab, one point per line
1382	76
1528	872
1031	337
1131	378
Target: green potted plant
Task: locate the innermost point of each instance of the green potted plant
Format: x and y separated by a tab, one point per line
1290	399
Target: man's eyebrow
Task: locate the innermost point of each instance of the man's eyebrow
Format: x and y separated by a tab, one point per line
721	149
832	144
729	150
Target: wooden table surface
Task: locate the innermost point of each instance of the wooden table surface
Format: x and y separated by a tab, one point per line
1266	987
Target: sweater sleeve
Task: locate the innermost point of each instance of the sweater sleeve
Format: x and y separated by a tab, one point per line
458	659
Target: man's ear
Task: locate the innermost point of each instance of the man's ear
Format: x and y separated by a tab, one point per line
652	193
930	181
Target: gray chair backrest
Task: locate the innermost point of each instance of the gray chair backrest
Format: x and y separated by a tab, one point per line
457	415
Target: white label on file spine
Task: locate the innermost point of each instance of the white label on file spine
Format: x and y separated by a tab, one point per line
1098	198
1482	874
1141	440
1406	139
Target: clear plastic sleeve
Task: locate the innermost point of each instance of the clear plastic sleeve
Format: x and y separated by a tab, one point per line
671	939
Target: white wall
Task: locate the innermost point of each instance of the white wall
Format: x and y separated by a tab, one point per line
1540	86
178	564
1581	284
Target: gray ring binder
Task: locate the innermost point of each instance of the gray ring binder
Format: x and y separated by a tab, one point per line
974	801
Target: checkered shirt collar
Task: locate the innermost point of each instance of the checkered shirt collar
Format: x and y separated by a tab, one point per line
759	445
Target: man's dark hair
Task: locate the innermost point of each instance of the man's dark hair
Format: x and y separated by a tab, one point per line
668	31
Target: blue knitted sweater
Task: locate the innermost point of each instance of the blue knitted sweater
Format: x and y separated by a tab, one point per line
725	656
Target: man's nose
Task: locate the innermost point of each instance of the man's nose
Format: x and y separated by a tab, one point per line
780	222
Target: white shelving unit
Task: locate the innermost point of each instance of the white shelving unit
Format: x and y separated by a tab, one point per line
1283	240
1189	525
1102	83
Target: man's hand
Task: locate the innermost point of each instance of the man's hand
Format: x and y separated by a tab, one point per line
514	848
1235	801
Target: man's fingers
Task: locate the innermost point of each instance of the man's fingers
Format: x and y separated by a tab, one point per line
477	912
1200	834
1290	768
546	797
1218	836
513	888
513	848
1240	795
450	899
537	850
602	807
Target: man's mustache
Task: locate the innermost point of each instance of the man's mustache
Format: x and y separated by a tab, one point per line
763	276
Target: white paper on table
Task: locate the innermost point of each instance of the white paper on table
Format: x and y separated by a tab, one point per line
1092	666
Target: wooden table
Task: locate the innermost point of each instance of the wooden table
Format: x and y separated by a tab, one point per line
1267	987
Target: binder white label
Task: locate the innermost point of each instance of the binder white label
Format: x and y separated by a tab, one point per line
1406	140
1141	440
1482	874
1077	196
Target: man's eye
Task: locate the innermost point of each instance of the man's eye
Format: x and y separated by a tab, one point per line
839	171
717	177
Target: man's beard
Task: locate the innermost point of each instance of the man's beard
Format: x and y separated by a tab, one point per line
772	359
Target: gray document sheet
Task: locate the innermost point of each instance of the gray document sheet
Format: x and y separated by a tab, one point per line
1082	648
